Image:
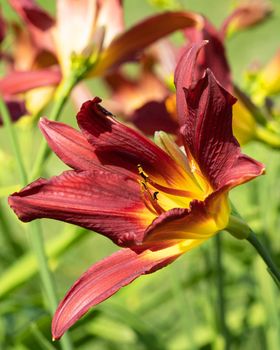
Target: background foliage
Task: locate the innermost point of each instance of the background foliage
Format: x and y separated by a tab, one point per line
179	307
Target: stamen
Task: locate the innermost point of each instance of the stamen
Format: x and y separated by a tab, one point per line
142	172
173	191
146	198
149	199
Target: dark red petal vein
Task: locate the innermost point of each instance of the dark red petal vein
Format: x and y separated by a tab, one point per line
117	144
208	135
103	201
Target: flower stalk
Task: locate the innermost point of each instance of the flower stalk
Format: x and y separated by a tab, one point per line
46	275
14	141
238	228
63	91
35	229
81	66
271	267
220	291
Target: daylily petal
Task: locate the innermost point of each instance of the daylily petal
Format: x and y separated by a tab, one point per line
186	75
106	277
269	76
153	116
201	220
244	113
37	99
27	55
246	15
208	135
17	82
38	21
80	94
103	201
213	55
69	144
117	144
72	147
32	13
166	55
129	94
16	109
111	17
243	124
131	42
24	50
166	142
75	28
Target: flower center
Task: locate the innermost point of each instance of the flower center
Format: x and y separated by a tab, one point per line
159	198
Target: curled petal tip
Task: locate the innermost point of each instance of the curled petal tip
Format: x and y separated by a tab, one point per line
97	99
43	121
43	124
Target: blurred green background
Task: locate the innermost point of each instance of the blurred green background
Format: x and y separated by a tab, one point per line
178	307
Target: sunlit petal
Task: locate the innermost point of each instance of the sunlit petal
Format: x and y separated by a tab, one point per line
106	277
17	82
217	152
103	201
132	41
75	28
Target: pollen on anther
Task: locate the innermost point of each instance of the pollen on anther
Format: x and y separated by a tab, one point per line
142	172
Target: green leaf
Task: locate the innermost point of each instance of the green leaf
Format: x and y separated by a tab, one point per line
26	266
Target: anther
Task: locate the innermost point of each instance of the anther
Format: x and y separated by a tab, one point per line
155	194
142	172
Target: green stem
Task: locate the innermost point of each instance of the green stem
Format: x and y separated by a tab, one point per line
39	249
41	340
220	291
46	275
81	65
35	229
62	94
13	139
16	249
241	230
237	226
272	268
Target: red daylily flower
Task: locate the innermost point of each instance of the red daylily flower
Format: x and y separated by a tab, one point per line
144	101
15	106
161	107
246	15
84	26
44	48
18	82
155	201
16	109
